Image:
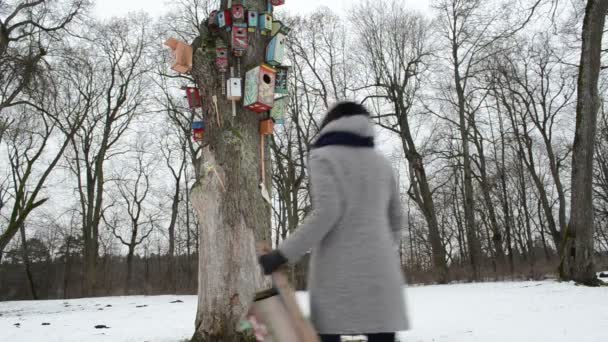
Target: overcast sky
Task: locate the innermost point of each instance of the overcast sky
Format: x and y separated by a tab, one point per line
109	8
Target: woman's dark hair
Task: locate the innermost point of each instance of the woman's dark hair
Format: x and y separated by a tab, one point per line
344	109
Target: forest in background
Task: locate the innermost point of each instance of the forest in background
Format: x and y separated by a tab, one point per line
98	158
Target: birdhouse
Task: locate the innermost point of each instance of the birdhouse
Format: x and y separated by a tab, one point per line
238	13
240	41
266	127
281	80
265	23
194	97
276	50
221	58
279	27
182	54
212	22
277	2
198	131
278	110
234	89
224	20
252	20
259	89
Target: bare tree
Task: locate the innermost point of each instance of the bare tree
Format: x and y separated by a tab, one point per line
116	88
395	50
579	249
134	195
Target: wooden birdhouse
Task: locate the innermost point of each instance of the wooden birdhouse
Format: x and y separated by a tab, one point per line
252	20
281	80
234	88
276	50
221	58
266	127
279	27
265	23
212	22
259	89
224	20
182	55
198	131
194	97
240	41
277	2
278	110
238	13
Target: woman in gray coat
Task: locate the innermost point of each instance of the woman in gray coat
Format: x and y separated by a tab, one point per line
355	279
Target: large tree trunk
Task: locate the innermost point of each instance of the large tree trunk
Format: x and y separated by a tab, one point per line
231	213
579	263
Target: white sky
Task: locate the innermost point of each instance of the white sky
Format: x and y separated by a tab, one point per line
109	8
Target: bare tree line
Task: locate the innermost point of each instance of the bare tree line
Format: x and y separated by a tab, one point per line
477	103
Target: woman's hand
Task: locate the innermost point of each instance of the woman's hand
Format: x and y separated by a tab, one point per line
270	260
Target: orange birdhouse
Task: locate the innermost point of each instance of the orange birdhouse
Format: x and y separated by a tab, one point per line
266	127
182	54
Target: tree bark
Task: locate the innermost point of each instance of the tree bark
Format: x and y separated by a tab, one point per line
231	213
27	264
579	247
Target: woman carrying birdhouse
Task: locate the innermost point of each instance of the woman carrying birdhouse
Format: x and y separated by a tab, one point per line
355	279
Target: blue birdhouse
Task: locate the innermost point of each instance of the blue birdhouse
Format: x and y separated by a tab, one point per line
252	20
276	50
265	23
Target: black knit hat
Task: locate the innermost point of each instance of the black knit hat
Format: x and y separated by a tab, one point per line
344	109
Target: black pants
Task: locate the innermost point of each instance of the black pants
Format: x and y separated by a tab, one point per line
370	338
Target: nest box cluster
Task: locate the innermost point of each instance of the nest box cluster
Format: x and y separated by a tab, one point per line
264	89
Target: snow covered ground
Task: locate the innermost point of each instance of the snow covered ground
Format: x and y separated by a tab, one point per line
497	312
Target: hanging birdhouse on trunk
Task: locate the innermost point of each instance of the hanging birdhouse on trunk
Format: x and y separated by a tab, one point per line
240	41
277	2
198	131
265	23
276	50
212	22
224	20
266	127
182	55
278	110
281	80
238	13
259	89
252	20
194	97
234	89
279	27
221	58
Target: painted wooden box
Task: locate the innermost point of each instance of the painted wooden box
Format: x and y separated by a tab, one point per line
234	88
278	110
265	23
240	40
277	2
194	97
275	52
198	131
266	127
259	89
238	13
182	55
252	20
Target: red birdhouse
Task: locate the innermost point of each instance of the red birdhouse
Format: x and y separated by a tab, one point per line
238	13
194	97
277	2
182	54
240	41
221	58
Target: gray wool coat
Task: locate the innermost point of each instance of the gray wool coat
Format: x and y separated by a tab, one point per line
355	280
